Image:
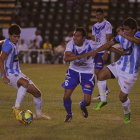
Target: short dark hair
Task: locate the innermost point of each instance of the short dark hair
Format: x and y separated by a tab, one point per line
82	30
14	29
130	22
100	10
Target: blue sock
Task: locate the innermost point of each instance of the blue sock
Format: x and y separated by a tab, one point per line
106	87
83	103
67	105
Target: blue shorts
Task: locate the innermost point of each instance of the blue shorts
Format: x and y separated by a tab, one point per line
99	63
73	78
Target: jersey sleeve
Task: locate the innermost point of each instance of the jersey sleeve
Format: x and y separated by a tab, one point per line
116	39
6	47
69	46
137	34
108	28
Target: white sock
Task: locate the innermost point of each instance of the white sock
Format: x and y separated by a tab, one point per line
102	90
38	105
20	94
126	106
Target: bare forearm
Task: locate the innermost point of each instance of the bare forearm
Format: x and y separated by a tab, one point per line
72	58
131	38
112	49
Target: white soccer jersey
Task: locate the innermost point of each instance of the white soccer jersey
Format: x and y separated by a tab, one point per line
129	63
100	30
82	65
11	63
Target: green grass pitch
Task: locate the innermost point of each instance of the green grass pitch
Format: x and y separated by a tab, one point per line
106	124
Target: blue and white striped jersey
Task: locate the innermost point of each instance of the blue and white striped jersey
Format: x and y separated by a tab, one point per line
130	62
100	30
11	63
82	65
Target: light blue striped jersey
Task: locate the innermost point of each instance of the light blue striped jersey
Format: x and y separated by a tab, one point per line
11	63
130	62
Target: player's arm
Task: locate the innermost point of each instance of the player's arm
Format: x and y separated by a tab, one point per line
130	38
119	51
106	46
105	55
69	57
1	42
2	59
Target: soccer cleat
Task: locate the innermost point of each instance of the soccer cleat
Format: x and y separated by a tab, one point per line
127	118
84	111
16	112
41	117
68	118
99	105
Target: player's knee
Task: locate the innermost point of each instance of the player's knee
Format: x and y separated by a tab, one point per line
37	94
122	98
66	97
100	77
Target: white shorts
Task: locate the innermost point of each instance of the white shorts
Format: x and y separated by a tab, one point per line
15	77
125	80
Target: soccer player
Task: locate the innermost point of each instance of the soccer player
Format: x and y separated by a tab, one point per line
80	71
101	33
126	68
12	75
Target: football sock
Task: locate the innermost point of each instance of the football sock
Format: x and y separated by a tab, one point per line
38	105
126	106
106	86
20	94
102	90
67	105
83	103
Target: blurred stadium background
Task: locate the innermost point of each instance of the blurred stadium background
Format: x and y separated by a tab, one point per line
56	19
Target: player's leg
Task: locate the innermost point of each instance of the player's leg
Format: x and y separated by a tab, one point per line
70	83
126	105
103	75
99	64
85	102
21	91
32	89
67	104
87	82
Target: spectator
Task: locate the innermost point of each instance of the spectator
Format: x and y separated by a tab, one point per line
23	52
38	38
59	53
47	46
34	52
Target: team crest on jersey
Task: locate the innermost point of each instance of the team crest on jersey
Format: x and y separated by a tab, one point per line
87	86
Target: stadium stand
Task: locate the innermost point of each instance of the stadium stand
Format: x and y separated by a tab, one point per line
55	18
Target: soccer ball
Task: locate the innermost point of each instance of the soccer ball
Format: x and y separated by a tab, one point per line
25	117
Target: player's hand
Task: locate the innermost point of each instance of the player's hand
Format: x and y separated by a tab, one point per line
6	80
105	56
119	30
